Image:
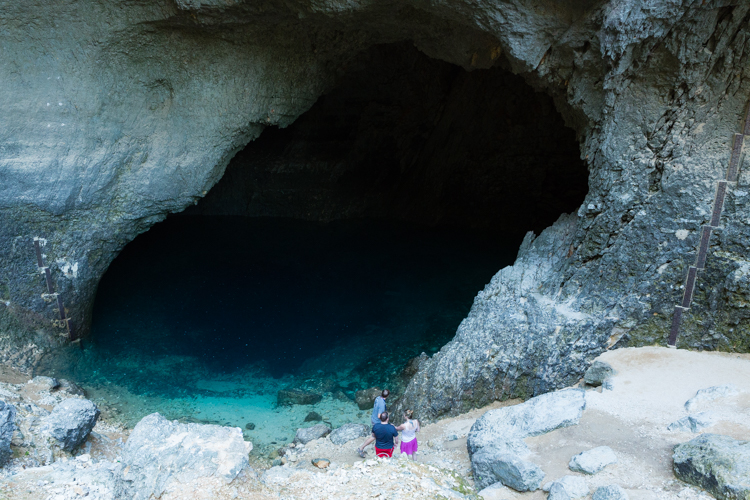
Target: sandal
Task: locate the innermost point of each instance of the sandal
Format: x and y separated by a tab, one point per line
362	453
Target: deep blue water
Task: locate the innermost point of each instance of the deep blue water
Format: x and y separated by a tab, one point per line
231	290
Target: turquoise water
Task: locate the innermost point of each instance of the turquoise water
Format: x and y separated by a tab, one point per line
206	318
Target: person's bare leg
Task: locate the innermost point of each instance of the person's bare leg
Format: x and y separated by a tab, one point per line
361	449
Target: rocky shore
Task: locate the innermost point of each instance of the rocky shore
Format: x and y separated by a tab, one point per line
644	423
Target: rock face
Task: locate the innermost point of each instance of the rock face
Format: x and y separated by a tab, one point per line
159	453
7	427
593	461
71	421
108	129
597	373
716	463
308	434
349	432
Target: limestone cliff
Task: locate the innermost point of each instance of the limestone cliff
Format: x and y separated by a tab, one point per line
116	114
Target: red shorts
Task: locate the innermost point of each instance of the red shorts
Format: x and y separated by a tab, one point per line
384	453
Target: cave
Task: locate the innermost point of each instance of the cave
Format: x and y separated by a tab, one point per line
336	251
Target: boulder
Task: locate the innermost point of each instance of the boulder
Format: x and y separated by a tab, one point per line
536	416
611	492
693	423
575	486
365	398
592	461
597	373
490	467
7	427
294	396
349	432
716	463
308	434
557	492
709	394
70	422
160	452
71	388
42	384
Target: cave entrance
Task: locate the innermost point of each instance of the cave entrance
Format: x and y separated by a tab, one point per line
334	251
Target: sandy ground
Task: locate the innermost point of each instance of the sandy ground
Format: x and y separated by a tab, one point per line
648	393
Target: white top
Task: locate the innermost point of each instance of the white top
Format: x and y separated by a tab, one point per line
410	431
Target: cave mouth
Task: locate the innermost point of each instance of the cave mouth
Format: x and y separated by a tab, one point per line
334	251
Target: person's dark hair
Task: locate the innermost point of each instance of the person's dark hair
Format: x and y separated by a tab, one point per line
384	416
409	414
385	393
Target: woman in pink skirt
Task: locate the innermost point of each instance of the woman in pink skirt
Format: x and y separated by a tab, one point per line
409	430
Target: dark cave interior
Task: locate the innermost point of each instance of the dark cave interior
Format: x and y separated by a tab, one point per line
347	243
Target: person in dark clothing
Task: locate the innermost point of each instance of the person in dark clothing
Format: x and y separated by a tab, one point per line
378	407
384	434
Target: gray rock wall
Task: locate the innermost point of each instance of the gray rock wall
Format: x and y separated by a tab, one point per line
117	114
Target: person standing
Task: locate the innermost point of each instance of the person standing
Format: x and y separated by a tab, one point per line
409	429
384	434
378	407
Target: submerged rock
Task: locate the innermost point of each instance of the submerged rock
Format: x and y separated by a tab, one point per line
536	416
490	467
159	452
716	463
611	492
7	427
294	396
693	423
365	398
593	461
349	432
250	426
70	422
709	394
308	434
597	373
313	416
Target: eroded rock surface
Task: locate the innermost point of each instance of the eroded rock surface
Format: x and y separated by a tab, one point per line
70	422
7	428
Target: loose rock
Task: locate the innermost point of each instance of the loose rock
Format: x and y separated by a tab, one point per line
693	423
349	432
575	486
716	463
70	422
593	461
321	463
293	396
250	426
597	373
313	417
7	427
308	434
489	468
611	492
557	492
709	394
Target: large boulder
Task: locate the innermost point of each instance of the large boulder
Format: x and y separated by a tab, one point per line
593	461
365	398
536	416
597	373
70	422
7	427
308	434
296	396
349	432
490	467
160	453
716	463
